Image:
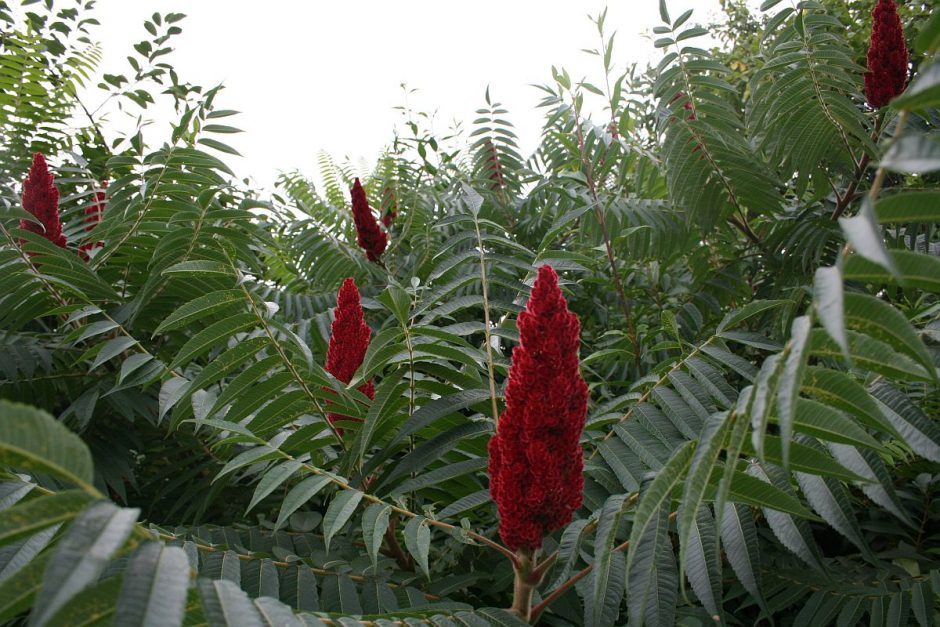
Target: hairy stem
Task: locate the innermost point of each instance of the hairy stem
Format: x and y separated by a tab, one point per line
522	587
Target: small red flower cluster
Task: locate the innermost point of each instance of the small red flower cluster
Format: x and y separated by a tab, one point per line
41	198
369	235
687	105
348	341
887	56
93	214
495	166
536	462
389	207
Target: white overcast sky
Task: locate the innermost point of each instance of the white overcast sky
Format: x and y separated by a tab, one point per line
315	75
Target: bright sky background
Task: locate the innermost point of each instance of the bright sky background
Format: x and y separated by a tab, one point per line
315	75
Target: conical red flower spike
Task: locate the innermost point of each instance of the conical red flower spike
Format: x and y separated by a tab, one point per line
369	235
348	341
536	463
41	198
886	77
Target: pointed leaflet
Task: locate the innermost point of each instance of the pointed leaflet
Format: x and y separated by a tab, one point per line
746	312
111	349
432	450
34	515
378	596
200	267
913	206
246	457
340	595
569	548
864	235
172	390
32	440
227	362
227	605
200	307
913	154
418	542
276	614
298	496
747	490
272	479
736	443
883	322
653	578
223	565
18	593
702	562
659	493
917	270
12	492
827	299
793	533
389	391
338	513
920	432
606	590
259	578
299	588
704	461
808	459
831	425
153	593
81	556
211	336
739	537
831	500
95	602
374	524
789	387
868	464
839	390
761	401
20	555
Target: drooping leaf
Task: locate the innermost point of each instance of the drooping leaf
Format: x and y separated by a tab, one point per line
339	512
81	556
31	440
154	587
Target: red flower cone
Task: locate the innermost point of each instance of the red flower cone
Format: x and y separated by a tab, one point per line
536	461
41	198
368	234
887	56
348	341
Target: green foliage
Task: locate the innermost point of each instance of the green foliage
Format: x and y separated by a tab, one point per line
753	256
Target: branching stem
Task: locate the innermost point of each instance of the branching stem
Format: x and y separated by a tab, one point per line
599	214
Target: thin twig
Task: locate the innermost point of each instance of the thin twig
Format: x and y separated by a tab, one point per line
486	323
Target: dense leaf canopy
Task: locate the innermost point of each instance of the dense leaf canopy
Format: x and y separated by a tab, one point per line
752	252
